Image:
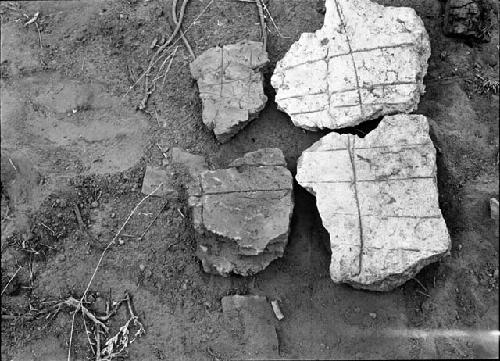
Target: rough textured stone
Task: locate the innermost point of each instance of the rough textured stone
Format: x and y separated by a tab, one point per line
242	214
250	319
192	165
378	199
230	86
153	177
468	18
192	162
365	62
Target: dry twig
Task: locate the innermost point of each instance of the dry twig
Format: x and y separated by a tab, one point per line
153	221
423	293
150	88
260	7
154	61
122	338
10	280
114	346
79	306
272	21
177	23
47	227
79	217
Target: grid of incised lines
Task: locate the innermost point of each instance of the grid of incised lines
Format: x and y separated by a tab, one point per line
357	87
351	149
220	72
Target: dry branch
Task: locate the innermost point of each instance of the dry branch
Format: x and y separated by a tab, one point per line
10	280
79	306
177	23
260	7
154	61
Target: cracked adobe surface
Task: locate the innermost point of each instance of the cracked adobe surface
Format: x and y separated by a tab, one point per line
378	199
365	62
243	213
230	85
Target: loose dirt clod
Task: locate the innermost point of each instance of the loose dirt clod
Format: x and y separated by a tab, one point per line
468	19
251	318
158	175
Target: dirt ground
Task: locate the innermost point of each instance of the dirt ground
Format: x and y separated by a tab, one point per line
67	107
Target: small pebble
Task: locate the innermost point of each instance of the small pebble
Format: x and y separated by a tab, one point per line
492	61
142	267
373	315
60	258
113	215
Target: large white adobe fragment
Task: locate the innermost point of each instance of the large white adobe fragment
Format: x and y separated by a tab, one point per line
366	61
378	199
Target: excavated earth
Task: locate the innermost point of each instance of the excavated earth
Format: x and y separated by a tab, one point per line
79	149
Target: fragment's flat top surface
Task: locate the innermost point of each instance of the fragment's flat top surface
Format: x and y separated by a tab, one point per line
264	156
157	181
249	54
251	319
237	302
230	85
251	218
366	61
261	178
251	202
377	197
229	75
